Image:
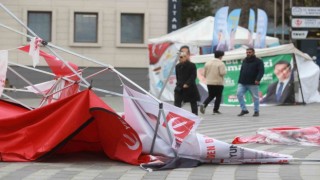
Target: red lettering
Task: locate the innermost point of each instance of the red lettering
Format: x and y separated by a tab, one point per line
211	152
208	140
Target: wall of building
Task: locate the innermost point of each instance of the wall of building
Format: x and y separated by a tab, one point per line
130	60
108	51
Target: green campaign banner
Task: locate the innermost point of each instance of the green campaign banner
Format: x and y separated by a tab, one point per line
231	78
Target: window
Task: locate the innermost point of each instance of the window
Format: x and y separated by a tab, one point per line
40	23
132	28
85	27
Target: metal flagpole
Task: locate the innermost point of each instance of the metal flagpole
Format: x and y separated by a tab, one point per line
3	94
161	113
49	45
28	82
27	67
83	85
43	42
282	33
105	65
297	69
78	55
171	70
275	18
305	160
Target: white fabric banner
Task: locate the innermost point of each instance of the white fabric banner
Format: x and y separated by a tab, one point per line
159	72
34	50
209	150
143	116
3	69
43	87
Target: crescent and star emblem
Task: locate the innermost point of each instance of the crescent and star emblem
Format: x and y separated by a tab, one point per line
133	139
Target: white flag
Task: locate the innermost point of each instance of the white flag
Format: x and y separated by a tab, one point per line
43	87
3	69
142	116
35	50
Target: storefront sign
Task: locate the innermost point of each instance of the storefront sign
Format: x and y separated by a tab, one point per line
174	15
305	11
305	23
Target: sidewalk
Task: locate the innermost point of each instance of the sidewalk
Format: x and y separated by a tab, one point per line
223	127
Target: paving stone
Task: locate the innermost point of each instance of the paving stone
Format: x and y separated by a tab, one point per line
223	127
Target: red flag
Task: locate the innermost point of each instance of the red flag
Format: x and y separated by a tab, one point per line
156	51
56	65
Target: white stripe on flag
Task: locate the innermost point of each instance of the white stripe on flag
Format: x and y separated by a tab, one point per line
3	69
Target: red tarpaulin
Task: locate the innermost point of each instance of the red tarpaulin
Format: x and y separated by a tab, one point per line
82	122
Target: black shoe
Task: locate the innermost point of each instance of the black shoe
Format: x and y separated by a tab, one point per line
243	113
255	114
216	112
202	109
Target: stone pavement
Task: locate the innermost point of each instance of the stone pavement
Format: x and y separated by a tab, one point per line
223	127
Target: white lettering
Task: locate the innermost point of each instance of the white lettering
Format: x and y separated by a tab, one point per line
174	20
174	13
174	26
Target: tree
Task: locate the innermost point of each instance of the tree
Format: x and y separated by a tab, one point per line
194	10
309	3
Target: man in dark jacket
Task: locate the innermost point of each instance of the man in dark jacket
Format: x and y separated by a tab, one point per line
251	72
186	89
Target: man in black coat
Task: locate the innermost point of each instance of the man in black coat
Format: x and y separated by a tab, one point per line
281	91
186	89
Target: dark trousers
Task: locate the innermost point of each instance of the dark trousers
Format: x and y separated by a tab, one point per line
178	101
214	91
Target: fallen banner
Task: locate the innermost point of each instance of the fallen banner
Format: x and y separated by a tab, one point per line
197	149
191	148
309	136
142	116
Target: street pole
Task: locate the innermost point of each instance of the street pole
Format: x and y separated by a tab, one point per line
290	35
275	18
282	35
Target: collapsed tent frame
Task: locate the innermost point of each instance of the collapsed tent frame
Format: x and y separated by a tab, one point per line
86	83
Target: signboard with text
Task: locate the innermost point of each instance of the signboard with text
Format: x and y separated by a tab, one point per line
305	23
304	34
305	11
174	15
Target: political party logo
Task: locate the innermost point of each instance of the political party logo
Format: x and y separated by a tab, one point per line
131	141
180	126
298	22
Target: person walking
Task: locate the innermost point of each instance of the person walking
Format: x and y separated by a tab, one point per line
251	73
186	89
214	72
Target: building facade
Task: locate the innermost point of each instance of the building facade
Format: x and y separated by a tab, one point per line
114	32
